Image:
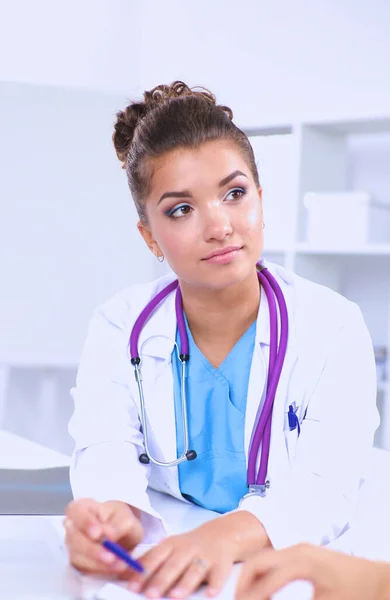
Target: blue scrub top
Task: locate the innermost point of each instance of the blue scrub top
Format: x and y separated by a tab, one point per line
216	405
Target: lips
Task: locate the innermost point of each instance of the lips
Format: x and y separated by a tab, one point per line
222	251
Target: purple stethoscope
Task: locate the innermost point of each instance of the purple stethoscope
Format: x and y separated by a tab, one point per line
261	436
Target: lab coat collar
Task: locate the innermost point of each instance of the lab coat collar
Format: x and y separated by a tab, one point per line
263	330
157	338
263	325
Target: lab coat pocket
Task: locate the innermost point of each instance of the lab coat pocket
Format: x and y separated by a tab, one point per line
292	430
291	438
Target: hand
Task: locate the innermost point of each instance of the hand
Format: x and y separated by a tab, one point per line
334	576
87	522
181	563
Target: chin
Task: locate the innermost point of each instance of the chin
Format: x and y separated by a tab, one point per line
228	275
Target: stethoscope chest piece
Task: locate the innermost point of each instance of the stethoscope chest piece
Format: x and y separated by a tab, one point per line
256	490
144	459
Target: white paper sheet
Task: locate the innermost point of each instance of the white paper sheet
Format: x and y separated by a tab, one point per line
299	590
112	591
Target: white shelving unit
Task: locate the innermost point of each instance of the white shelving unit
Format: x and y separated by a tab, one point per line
330	156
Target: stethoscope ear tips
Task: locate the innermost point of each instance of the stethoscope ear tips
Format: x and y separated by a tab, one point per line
144	459
191	455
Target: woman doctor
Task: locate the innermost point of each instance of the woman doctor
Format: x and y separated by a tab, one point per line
194	181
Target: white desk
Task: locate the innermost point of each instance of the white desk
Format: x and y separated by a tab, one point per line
18	453
38	569
38	566
371	537
179	517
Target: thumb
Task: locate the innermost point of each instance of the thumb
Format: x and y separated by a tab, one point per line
84	515
121	524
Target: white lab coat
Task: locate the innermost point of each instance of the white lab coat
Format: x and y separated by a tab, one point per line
329	372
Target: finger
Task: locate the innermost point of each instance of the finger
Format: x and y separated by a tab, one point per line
151	561
268	585
217	578
86	554
84	514
121	524
87	565
191	580
256	567
166	576
270	571
250	594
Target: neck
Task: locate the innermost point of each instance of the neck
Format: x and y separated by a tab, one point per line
218	318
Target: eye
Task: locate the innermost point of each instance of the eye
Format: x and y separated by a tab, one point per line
236	194
179	211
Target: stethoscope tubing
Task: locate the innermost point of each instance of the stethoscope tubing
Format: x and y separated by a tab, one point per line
262	432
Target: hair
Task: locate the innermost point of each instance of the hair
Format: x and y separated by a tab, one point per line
170	117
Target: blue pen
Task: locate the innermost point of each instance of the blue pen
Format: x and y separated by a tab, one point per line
123	555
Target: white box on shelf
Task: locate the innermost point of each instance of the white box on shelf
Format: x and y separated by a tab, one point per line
346	219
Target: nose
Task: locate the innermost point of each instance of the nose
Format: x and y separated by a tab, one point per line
217	224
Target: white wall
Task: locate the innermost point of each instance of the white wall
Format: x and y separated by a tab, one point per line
66	219
90	44
368	170
273	60
268	60
68	239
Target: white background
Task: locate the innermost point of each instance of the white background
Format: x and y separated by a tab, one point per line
67	225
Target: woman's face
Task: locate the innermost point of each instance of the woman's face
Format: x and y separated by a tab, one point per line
205	214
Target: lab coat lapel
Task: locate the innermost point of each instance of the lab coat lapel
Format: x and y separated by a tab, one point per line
157	337
255	396
258	379
279	455
156	344
160	408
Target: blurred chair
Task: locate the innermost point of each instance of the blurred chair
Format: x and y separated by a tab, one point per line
34	480
34	492
4	380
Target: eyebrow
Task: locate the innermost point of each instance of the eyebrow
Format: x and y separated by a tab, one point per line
184	194
187	194
229	178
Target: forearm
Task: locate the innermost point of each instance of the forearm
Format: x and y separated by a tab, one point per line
134	510
384	580
246	532
107	472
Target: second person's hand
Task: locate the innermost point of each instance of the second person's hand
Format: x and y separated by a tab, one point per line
334	576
